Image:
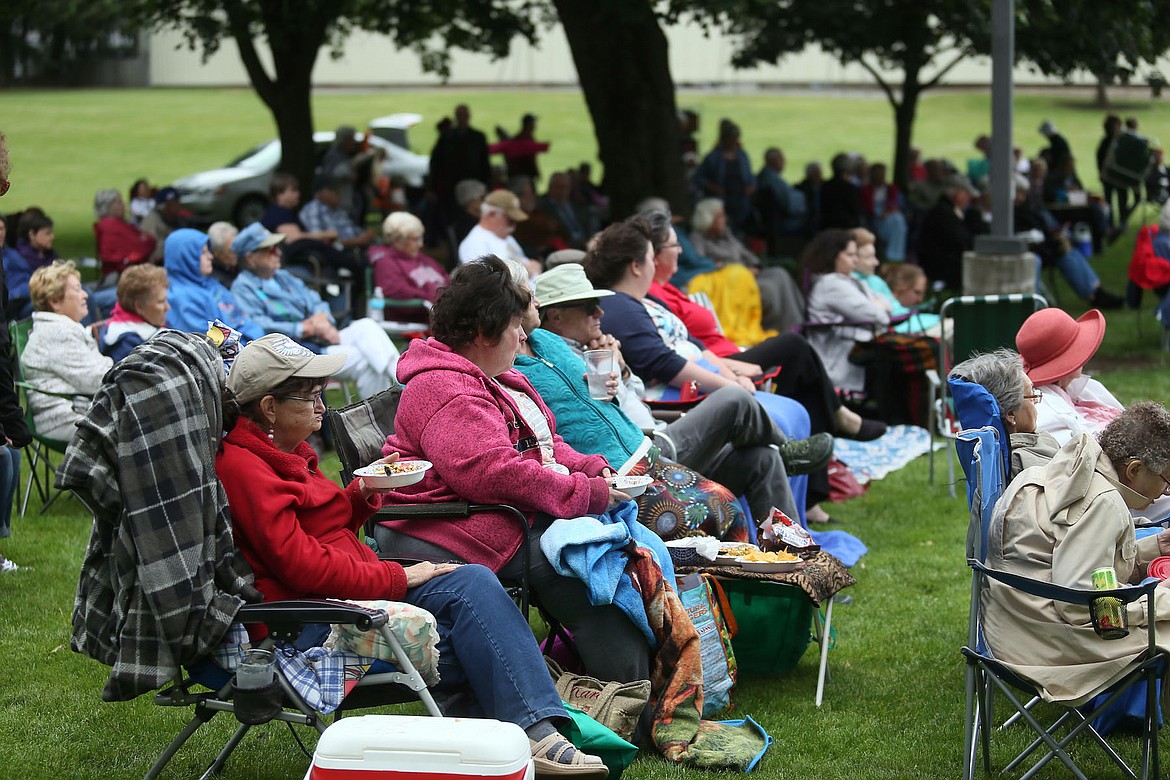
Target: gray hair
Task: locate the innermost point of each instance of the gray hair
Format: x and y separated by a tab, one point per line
400	225
468	190
705	211
1141	432
221	235
103	202
652	203
1000	372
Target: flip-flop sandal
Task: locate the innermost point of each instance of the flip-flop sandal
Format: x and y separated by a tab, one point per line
583	765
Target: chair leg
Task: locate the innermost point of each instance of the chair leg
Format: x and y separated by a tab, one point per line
970	723
825	627
202	715
220	760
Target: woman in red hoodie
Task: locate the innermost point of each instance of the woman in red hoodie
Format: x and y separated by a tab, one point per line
492	440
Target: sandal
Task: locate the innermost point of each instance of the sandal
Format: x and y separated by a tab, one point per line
582	765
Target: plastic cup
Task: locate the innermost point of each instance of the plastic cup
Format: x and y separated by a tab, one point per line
598	367
255	670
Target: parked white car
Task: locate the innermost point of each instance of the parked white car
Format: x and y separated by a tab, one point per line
238	192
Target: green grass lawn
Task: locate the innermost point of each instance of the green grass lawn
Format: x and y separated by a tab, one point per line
893	706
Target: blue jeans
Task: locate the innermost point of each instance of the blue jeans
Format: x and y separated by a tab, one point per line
9	481
1077	272
486	646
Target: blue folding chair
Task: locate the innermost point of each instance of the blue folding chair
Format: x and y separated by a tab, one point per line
986	677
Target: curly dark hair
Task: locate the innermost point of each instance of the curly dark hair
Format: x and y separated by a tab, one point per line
614	249
481	300
1142	432
820	256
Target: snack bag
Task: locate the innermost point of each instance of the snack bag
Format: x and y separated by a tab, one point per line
780	532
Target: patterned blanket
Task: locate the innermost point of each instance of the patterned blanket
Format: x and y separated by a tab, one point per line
870	460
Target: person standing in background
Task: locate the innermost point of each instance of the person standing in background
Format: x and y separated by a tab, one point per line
13	430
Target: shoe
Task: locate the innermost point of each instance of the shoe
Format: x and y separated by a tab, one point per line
804	456
7	566
870	430
1103	299
547	752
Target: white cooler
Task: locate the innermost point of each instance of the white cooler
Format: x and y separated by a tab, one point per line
405	747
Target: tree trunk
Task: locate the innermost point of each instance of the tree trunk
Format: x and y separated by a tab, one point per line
293	111
1101	99
621	58
905	112
294	42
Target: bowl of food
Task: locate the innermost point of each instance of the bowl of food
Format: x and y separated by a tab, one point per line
382	476
769	562
631	486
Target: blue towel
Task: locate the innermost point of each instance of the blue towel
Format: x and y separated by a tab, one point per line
590	549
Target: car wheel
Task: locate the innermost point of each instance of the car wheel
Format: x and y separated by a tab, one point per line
249	209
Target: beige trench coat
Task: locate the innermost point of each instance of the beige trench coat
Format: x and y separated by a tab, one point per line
1057	523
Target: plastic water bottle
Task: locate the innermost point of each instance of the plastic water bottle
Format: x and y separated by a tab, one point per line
377	306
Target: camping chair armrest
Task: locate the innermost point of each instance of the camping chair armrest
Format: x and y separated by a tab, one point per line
287	614
422	511
31	388
1048	590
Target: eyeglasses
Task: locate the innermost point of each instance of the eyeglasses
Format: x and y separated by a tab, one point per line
314	399
672	245
1035	397
1166	482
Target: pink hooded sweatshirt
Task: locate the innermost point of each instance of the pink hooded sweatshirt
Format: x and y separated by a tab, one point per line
457	418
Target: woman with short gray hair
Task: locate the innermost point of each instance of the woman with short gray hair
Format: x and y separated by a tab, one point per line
1059	523
403	272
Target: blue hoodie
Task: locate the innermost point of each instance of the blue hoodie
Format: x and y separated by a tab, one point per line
197	299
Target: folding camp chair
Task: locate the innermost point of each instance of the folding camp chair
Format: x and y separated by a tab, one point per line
971	324
162	584
986	677
359	432
38	451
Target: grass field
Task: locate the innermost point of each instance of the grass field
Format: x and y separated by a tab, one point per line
893	706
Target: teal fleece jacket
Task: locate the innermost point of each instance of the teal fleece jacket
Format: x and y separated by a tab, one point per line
558	374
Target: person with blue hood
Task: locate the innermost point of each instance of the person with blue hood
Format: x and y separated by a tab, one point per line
196	297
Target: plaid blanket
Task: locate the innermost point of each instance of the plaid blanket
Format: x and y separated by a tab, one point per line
161	580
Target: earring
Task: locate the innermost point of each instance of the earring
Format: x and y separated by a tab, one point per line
270	427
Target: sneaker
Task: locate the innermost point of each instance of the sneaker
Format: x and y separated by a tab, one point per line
804	456
7	566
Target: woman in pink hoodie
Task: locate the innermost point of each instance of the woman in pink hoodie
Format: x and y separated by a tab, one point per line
492	440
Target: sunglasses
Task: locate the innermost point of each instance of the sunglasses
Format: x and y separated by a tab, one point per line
591	307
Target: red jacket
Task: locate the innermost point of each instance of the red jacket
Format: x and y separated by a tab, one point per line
119	244
454	416
296	526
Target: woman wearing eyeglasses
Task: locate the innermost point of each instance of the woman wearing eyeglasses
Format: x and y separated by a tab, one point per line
1059	522
1001	373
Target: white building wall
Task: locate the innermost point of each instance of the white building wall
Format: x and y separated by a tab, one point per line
372	60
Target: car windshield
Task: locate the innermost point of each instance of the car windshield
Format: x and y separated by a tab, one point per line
263	157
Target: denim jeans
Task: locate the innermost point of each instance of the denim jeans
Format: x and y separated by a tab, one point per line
1077	272
9	480
486	646
891	228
